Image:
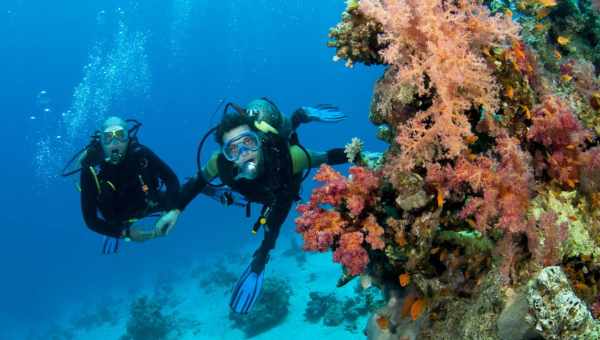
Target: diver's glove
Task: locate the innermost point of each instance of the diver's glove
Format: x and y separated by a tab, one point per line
166	222
321	113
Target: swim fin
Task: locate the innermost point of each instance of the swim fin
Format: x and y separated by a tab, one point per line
110	245
246	291
324	113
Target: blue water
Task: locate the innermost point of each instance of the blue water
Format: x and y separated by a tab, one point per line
172	62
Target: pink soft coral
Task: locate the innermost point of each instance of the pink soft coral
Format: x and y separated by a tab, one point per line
436	46
503	188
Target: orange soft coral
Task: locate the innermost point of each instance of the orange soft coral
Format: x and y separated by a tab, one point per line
351	253
374	232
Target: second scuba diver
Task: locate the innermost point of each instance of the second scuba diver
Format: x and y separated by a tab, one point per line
122	181
261	159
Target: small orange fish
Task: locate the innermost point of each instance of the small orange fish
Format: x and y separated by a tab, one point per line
557	55
417	309
542	13
383	322
440	197
562	40
508	12
404	279
540	27
509	92
571	183
400	240
471	139
573	218
570	147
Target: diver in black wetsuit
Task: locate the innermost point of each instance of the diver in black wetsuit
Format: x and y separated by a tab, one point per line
261	159
122	180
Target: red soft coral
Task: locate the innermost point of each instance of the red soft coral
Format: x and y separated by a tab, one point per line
562	135
351	253
590	171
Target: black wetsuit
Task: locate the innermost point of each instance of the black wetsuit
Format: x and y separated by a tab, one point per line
277	188
131	189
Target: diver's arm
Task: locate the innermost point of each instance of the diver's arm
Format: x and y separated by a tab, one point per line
196	184
166	175
89	208
300	160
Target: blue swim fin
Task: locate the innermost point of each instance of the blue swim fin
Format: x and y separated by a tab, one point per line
246	291
324	113
110	245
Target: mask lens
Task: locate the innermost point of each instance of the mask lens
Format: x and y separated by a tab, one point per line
109	136
236	146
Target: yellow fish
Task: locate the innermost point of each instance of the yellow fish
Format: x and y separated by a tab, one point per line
562	40
547	3
565	78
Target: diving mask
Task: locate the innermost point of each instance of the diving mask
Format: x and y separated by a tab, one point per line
116	133
234	147
114	144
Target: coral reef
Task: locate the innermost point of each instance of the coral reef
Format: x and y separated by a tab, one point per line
148	321
219	277
334	312
270	310
491	178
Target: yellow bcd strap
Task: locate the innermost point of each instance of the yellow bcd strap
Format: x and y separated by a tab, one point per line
93	171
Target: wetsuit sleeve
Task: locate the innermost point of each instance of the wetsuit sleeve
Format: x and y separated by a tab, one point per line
300	160
166	174
196	184
89	208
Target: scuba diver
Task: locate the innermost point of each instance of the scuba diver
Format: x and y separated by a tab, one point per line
261	159
123	181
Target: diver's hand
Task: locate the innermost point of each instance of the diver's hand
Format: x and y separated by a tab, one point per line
166	223
322	113
140	235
